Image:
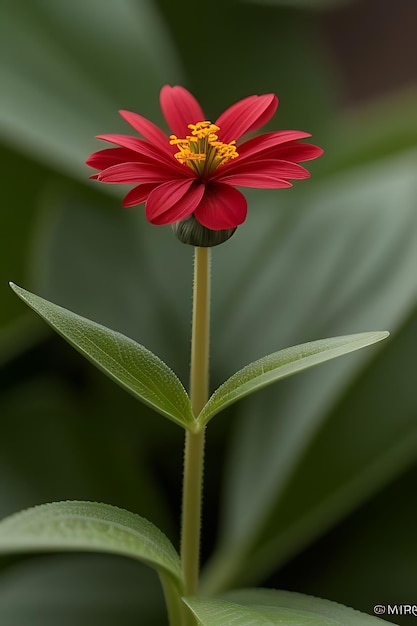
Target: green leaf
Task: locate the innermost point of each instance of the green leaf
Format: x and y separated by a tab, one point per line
219	612
93	527
336	261
270	607
89	526
128	363
360	447
58	59
281	364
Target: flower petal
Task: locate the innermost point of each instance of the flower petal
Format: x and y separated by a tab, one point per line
268	113
127	173
149	154
250	171
268	141
138	194
142	147
147	129
110	156
261	180
131	143
180	108
295	151
173	201
247	114
222	207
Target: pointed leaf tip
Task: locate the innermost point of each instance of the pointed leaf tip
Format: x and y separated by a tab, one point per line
128	363
282	364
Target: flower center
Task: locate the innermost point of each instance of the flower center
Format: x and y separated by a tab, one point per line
202	150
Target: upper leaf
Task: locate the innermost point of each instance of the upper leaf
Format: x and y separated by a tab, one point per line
128	363
255	607
89	526
281	364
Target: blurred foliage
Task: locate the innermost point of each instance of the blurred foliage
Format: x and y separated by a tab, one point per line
318	472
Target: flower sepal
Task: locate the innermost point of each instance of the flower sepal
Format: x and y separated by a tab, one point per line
190	231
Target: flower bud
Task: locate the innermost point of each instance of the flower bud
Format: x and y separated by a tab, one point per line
190	231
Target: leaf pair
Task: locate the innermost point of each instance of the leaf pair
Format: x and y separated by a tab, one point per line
150	380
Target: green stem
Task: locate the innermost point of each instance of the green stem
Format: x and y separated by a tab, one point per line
199	375
191	511
194	441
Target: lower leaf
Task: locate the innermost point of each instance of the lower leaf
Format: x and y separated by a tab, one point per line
90	526
268	607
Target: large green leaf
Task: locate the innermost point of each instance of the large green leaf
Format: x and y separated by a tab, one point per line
343	259
89	526
83	63
281	364
258	607
129	364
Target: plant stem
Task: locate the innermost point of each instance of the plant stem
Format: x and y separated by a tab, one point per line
191	511
194	441
199	374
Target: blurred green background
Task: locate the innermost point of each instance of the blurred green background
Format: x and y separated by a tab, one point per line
310	486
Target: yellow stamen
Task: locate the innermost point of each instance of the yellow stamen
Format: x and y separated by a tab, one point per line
201	130
203	145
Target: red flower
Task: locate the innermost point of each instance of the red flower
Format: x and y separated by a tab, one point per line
195	171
